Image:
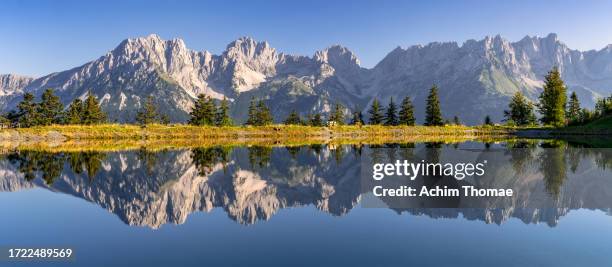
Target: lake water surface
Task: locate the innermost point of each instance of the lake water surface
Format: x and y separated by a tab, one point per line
304	206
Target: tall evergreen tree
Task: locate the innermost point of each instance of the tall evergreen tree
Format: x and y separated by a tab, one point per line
148	113
337	114
357	118
456	120
433	114
264	116
92	113
376	112
553	99
316	120
520	110
50	108
252	117
293	118
223	117
74	114
200	114
27	114
391	114
406	113
573	108
488	121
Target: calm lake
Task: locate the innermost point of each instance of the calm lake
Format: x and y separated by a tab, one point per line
304	206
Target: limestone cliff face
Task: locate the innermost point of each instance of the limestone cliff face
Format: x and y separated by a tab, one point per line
475	78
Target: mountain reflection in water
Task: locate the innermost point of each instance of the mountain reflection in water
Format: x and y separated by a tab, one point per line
152	188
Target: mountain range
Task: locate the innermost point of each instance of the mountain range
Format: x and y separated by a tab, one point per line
475	79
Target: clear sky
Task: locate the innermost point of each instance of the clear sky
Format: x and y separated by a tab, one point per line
40	37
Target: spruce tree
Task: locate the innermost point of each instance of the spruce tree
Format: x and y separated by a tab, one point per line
74	114
293	118
92	113
573	108
252	117
391	114
520	110
223	117
264	116
357	118
197	114
375	112
316	120
337	114
50	108
28	115
406	113
433	115
456	120
553	99
148	113
488	121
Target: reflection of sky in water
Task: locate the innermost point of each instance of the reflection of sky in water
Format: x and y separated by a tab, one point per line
314	219
302	236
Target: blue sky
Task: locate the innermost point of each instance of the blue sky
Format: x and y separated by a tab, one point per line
39	37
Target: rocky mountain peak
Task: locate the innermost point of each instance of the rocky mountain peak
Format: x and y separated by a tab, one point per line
12	83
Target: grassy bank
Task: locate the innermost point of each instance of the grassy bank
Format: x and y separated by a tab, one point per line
156	131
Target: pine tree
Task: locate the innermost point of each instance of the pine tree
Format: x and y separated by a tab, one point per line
92	113
74	114
28	115
573	108
337	114
148	113
406	113
357	118
264	116
391	114
316	120
223	118
433	115
252	119
293	118
553	99
488	121
375	112
456	120
520	110
198	113
50	108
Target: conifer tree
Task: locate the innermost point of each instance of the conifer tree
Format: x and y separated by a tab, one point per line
316	120
337	114
148	113
520	110
391	114
406	113
50	108
293	118
197	114
264	116
28	115
488	121
357	118
375	112
252	117
74	114
433	115
92	113
553	99
573	108
456	120
223	117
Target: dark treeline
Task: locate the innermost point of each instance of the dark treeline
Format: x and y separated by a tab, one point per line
50	110
553	106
